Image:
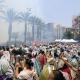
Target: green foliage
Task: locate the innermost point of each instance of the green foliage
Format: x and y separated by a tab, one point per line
68	35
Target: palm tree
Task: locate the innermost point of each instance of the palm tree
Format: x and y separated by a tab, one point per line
39	24
25	18
10	16
33	20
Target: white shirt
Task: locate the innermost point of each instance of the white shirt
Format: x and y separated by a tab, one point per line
26	74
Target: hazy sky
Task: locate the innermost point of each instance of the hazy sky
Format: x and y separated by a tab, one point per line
56	11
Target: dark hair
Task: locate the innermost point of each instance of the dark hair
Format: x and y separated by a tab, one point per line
19	58
7	48
41	52
61	50
74	56
29	55
78	53
59	76
35	55
29	63
65	66
30	50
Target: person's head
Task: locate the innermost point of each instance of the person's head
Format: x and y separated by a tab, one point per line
21	61
35	55
61	50
7	48
56	75
29	55
78	53
30	50
42	52
64	67
50	55
28	64
18	58
12	46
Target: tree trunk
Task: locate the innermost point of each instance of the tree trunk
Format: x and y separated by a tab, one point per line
25	33
33	32
39	32
10	31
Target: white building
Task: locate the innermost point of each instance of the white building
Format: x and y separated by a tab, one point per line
59	31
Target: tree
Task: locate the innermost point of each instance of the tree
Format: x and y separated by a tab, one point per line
78	37
39	24
68	35
10	16
25	18
33	20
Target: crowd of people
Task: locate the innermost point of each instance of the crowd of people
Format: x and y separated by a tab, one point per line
57	61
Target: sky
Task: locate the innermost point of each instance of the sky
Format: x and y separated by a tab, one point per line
55	11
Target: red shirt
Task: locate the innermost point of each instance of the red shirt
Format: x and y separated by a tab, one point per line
69	72
43	60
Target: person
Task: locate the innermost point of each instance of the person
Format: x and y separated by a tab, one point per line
6	54
43	59
55	53
56	75
36	62
71	70
20	62
64	69
51	76
28	72
47	70
6	71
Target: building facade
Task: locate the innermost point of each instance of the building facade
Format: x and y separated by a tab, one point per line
76	22
48	33
59	31
76	26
